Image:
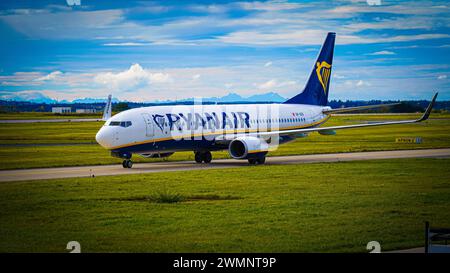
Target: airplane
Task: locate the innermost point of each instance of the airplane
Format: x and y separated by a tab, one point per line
108	109
247	131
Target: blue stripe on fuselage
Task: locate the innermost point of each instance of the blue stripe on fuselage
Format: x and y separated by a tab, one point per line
172	145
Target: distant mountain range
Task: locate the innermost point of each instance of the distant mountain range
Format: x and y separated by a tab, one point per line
36	101
234	97
41	103
92	100
36	97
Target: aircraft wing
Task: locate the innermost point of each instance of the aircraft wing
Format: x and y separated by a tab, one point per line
349	109
332	128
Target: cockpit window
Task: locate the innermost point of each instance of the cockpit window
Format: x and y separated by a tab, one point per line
124	124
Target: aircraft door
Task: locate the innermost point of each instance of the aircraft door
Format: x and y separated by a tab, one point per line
150	129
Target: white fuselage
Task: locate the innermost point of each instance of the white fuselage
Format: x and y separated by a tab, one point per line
190	127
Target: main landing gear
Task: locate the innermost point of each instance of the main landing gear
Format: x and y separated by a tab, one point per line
203	157
127	163
257	161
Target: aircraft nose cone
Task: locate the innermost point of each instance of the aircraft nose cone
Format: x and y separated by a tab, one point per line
102	137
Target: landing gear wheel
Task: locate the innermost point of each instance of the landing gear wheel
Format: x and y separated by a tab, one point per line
203	157
252	161
207	157
257	161
198	157
127	163
261	160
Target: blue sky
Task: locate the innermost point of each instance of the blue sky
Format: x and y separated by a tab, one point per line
150	50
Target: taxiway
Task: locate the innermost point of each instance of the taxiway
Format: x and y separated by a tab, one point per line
102	170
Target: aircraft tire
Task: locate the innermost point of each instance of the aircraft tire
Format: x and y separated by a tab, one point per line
261	160
198	157
129	164
207	157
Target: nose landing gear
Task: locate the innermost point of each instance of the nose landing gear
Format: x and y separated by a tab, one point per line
127	163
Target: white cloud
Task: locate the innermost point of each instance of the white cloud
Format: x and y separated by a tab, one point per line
130	78
269	5
275	23
404	47
70	24
274	84
126	44
400	81
21	79
267	64
442	77
268	84
382	52
196	77
287	37
357	83
409	8
280	37
338	76
406	23
53	75
362	83
374	2
212	8
159	77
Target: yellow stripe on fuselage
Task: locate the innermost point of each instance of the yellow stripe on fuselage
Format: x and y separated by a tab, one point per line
258	151
218	133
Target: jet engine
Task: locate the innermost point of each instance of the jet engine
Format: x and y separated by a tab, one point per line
247	147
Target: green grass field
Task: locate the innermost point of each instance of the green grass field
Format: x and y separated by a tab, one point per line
435	133
326	207
46	115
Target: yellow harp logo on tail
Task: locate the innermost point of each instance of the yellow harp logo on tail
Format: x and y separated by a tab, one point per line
323	71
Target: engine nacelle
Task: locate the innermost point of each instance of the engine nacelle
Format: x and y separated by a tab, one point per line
247	147
156	155
328	132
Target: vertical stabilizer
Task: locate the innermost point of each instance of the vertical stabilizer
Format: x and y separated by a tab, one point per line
316	89
108	108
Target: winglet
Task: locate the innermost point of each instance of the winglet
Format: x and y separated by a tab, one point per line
429	108
107	111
